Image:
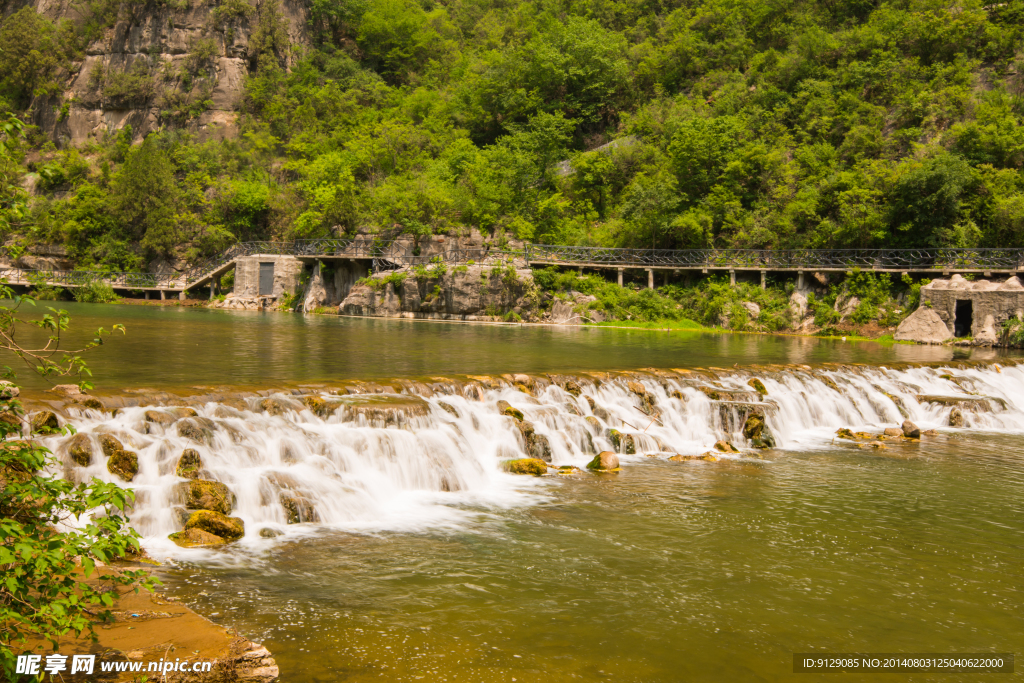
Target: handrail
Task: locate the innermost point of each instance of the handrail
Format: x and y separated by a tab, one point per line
394	254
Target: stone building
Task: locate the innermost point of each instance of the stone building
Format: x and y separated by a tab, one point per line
267	276
959	308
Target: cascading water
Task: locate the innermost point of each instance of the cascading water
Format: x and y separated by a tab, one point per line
374	462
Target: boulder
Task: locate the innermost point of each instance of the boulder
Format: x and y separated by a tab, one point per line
525	466
956	418
847	433
623	443
448	408
911	430
203	494
320	406
110	444
505	408
67	390
573	388
725	447
540	447
159	417
757	432
593	422
893	431
192	430
227	528
8	390
275	405
189	464
267	532
44	422
987	335
196	538
298	509
605	461
758	386
124	464
923	326
753	310
80	449
798	304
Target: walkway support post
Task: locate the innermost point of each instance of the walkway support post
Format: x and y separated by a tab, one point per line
181	297
732	278
147	295
163	295
650	278
620	276
764	279
211	290
800	279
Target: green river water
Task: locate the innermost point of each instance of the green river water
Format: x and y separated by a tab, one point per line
662	572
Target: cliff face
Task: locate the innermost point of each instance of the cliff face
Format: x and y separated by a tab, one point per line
174	65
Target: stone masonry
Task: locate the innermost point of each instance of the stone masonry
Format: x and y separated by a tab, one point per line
983	305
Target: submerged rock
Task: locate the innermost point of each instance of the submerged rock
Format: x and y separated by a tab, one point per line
605	461
533	466
911	430
846	433
298	509
448	408
710	457
80	449
124	464
189	464
203	494
267	532
227	528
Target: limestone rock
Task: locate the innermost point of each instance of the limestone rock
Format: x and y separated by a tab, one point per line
196	538
623	443
124	464
525	466
605	461
227	528
757	432
893	431
298	509
80	449
956	418
753	310
189	464
267	532
110	444
194	431
911	430
8	390
44	422
987	335
924	326
758	386
203	494
725	447
798	304
1011	283
505	408
160	417
67	390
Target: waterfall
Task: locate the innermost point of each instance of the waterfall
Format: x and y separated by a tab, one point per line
430	456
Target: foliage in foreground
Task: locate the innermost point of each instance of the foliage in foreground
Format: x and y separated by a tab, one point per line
740	124
46	553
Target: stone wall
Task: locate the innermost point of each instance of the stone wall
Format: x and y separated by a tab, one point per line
992	304
466	293
287	275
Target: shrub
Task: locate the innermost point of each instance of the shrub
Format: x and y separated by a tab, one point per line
96	292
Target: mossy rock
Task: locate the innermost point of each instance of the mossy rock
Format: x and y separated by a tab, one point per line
505	408
80	449
525	466
320	406
758	386
383	409
845	433
636	388
298	509
448	408
540	448
191	429
203	494
709	457
267	532
274	405
605	461
757	432
189	464
124	464
45	422
159	417
591	402
723	446
93	404
710	393
227	528
899	404
593	422
573	388
110	444
623	443
956	418
196	538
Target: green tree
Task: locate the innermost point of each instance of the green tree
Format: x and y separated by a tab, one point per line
931	202
30	53
144	197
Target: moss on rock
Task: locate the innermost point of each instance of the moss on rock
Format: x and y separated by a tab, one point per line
605	461
110	444
196	538
189	464
227	528
124	464
505	408
80	449
203	494
758	386
623	443
45	422
159	417
191	429
525	466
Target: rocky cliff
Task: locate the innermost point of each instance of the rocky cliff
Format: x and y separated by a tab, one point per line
175	64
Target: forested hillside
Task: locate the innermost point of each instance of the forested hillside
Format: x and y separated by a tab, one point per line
748	123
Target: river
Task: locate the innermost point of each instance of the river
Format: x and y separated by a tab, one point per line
427	562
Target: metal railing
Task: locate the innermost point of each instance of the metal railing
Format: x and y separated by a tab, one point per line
390	255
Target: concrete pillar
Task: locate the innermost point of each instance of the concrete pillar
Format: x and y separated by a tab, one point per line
620	276
666	278
181	296
764	279
211	290
800	279
163	295
147	295
581	271
732	278
650	279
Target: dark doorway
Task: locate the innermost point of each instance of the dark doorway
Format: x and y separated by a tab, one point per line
964	317
267	280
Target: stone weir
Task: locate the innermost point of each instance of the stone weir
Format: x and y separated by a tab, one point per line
973	311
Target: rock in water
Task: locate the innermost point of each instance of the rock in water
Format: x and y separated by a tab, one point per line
227	528
203	494
605	461
192	430
893	431
124	464
196	538
956	418
189	464
725	447
924	326
623	443
505	408
911	430
758	386
525	466
110	444
159	417
298	509
757	431
80	449
44	421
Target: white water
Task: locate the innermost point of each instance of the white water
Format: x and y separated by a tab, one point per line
439	470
